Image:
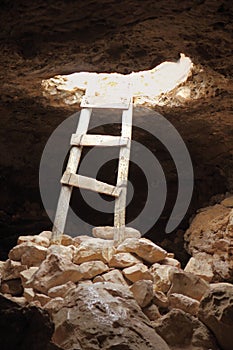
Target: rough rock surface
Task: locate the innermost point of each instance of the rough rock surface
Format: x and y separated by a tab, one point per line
24	327
216	311
183	331
82	323
209	240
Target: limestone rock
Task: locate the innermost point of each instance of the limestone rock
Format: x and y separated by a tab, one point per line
107	232
53	271
152	312
114	276
54	305
142	292
160	299
211	232
91	269
171	262
122	260
201	266
67	240
188	284
62	251
46	234
144	248
227	202
110	318
183	331
216	312
182	302
21	301
27	275
93	249
29	294
29	253
137	272
61	290
11	270
79	239
40	240
42	298
162	276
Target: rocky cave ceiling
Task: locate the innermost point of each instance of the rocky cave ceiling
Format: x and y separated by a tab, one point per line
45	38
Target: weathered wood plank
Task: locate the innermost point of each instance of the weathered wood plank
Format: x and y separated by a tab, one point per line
98	140
89	184
66	191
122	177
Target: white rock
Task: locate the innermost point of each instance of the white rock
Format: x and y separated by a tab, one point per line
182	302
107	232
143	292
114	276
137	272
122	260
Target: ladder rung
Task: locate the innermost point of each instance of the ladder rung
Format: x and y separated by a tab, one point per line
90	184
98	140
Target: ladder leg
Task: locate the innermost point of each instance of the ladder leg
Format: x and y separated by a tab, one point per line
123	168
66	191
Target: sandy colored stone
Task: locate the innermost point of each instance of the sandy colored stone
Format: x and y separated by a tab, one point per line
79	239
104	316
137	272
67	240
216	312
201	266
62	251
122	260
188	284
227	202
182	302
46	234
39	240
94	249
12	287
54	305
152	312
42	298
162	276
55	270
184	331
29	294
91	269
107	232
21	301
160	299
171	262
85	282
61	290
27	275
114	276
144	248
211	234
29	253
143	292
11	270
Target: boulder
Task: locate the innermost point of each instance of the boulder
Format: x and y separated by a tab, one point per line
201	265
12	270
122	260
39	240
162	276
152	312
216	312
29	294
144	248
182	302
26	276
91	269
188	284
143	292
114	276
171	262
53	271
94	249
160	299
104	316
183	331
29	253
137	272
107	232
61	290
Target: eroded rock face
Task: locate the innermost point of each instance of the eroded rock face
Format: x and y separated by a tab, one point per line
216	311
209	240
104	316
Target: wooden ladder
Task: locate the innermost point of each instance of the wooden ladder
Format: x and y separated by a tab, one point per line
97	97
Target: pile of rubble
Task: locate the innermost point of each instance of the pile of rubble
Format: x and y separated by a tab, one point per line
85	276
